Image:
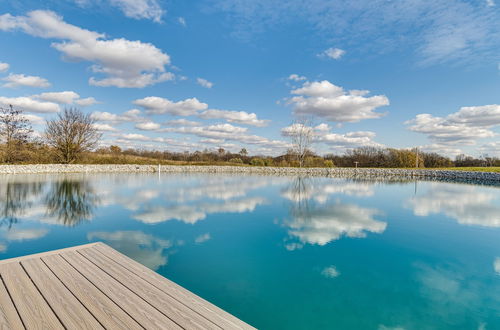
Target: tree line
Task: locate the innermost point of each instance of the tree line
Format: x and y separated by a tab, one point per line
72	137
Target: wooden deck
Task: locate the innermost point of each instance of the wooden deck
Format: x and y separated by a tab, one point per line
95	287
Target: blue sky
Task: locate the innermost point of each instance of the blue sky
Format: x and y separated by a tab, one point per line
190	75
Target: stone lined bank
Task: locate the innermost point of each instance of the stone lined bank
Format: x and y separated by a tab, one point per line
334	172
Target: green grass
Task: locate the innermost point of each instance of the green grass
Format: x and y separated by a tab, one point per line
472	169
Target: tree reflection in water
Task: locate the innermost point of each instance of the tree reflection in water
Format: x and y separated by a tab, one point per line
67	201
15	199
71	202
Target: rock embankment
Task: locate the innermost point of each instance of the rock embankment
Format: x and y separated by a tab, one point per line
333	172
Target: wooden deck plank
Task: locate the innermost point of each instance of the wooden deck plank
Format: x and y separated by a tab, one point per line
9	319
136	307
48	253
93	287
109	314
33	309
179	313
200	305
68	309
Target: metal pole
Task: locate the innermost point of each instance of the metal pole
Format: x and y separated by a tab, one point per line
416	160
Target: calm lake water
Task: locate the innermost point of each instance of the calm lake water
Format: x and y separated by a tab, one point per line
283	252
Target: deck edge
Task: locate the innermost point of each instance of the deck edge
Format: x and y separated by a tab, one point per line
48	253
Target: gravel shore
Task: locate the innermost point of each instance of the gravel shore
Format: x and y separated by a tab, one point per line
331	172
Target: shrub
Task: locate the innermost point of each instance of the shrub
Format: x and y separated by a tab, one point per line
257	162
328	163
314	162
268	162
236	160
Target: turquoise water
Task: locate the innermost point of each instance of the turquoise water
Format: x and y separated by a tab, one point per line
283	252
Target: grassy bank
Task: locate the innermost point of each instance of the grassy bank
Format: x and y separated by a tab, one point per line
471	169
107	159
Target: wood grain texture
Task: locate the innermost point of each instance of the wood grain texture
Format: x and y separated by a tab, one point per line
109	314
68	309
34	311
9	319
136	307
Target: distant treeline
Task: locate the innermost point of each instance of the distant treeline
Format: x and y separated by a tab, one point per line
40	152
72	137
361	157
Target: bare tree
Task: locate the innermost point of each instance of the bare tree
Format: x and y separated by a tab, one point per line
71	134
301	135
15	131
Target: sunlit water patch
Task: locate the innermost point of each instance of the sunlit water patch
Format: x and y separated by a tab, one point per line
283	252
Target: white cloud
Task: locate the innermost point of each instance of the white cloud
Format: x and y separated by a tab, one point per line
331	102
443	149
139	81
350	140
202	238
464	126
204	83
491	149
28	104
237	117
123	63
469	205
321	193
148	126
321	225
321	133
66	97
35	120
18	80
477	116
333	53
330	272
193	213
144	248
158	214
159	105
212	141
182	21
25	234
4	66
136	137
229	132
490	3
296	77
182	122
140	9
105	127
88	101
217	187
133	115
125	138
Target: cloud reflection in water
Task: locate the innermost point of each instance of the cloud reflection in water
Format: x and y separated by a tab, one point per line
144	248
469	205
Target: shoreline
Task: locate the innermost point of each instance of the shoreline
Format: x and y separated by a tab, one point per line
329	172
